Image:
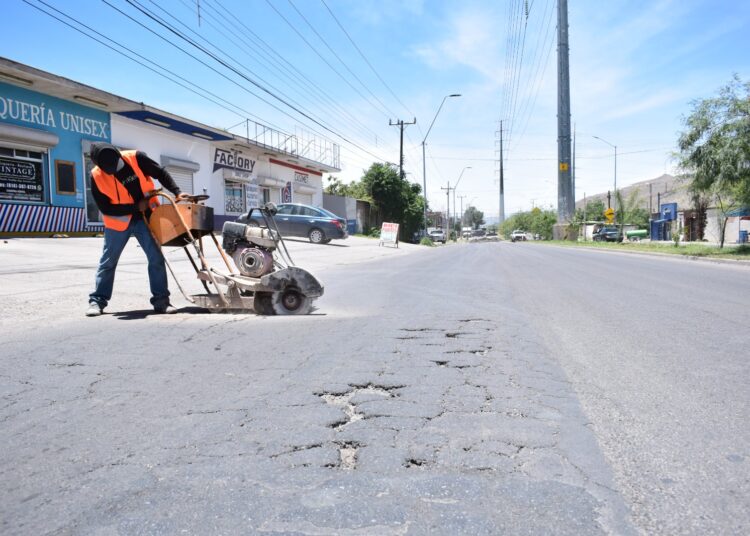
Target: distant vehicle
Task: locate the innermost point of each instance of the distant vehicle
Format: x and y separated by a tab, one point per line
607	234
317	224
518	234
437	235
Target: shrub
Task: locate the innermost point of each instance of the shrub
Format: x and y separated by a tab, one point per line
426	242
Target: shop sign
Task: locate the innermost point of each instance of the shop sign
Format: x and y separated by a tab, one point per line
389	234
230	160
251	196
286	193
301	177
41	115
21	180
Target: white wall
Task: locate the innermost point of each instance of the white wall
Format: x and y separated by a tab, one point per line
157	142
314	182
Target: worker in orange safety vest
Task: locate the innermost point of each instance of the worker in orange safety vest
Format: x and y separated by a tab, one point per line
119	184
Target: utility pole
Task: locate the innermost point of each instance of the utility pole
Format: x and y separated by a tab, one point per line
461	197
501	200
584	216
448	211
401	124
565	196
650	202
573	170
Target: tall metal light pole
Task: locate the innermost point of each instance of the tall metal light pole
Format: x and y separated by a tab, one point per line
454	192
565	195
424	160
615	190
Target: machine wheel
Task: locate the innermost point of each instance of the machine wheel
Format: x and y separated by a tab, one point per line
316	236
291	301
263	303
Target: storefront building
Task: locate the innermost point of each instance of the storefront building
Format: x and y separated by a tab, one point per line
47	126
42	143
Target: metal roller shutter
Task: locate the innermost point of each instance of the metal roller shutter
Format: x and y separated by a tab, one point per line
305	199
182	178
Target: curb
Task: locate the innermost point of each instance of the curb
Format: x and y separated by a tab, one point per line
730	262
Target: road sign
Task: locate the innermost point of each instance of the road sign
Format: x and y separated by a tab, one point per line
610	215
564	166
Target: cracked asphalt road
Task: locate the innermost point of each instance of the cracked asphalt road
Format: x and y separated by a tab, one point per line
460	390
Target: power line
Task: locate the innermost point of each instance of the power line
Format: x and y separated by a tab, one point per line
291	3
320	55
230	30
226	106
365	58
237	72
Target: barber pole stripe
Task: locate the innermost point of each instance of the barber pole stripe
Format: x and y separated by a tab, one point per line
42	219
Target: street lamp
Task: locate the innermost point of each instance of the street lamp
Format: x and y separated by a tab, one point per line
454	193
424	161
615	192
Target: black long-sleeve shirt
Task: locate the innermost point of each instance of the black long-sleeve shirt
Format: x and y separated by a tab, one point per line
129	180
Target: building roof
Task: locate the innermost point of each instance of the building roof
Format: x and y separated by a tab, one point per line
271	142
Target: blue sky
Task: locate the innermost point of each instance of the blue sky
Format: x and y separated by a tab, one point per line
635	68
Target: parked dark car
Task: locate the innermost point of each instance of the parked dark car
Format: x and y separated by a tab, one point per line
607	234
294	219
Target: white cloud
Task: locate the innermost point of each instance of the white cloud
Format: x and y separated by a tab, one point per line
471	41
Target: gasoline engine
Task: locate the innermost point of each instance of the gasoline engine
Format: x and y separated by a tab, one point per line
251	247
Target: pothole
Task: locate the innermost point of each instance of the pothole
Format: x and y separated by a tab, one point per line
440	363
415	462
344	401
348	455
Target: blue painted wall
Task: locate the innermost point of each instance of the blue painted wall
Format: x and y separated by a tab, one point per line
71	122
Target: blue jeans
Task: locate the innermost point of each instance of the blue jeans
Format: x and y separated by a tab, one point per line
114	243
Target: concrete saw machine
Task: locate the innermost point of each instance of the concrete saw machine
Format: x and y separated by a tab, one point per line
261	276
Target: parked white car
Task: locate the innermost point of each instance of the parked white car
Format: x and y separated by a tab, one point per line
518	234
437	235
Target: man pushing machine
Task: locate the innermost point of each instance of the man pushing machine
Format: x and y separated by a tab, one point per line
119	184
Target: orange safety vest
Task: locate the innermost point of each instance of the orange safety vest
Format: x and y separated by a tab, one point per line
118	194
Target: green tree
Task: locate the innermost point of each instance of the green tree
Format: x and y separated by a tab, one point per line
594	211
714	148
397	199
354	189
537	221
629	211
473	217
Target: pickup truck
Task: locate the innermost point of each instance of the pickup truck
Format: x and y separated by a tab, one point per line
518	234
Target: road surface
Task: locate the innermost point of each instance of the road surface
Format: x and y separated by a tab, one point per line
488	388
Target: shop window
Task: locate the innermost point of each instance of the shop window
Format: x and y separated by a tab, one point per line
234	197
65	172
266	195
21	176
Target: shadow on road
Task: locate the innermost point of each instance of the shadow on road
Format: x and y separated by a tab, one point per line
143	313
304	241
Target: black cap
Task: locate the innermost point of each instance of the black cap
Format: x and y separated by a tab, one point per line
106	156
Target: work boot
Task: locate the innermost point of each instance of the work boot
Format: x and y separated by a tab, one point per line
168	310
94	310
